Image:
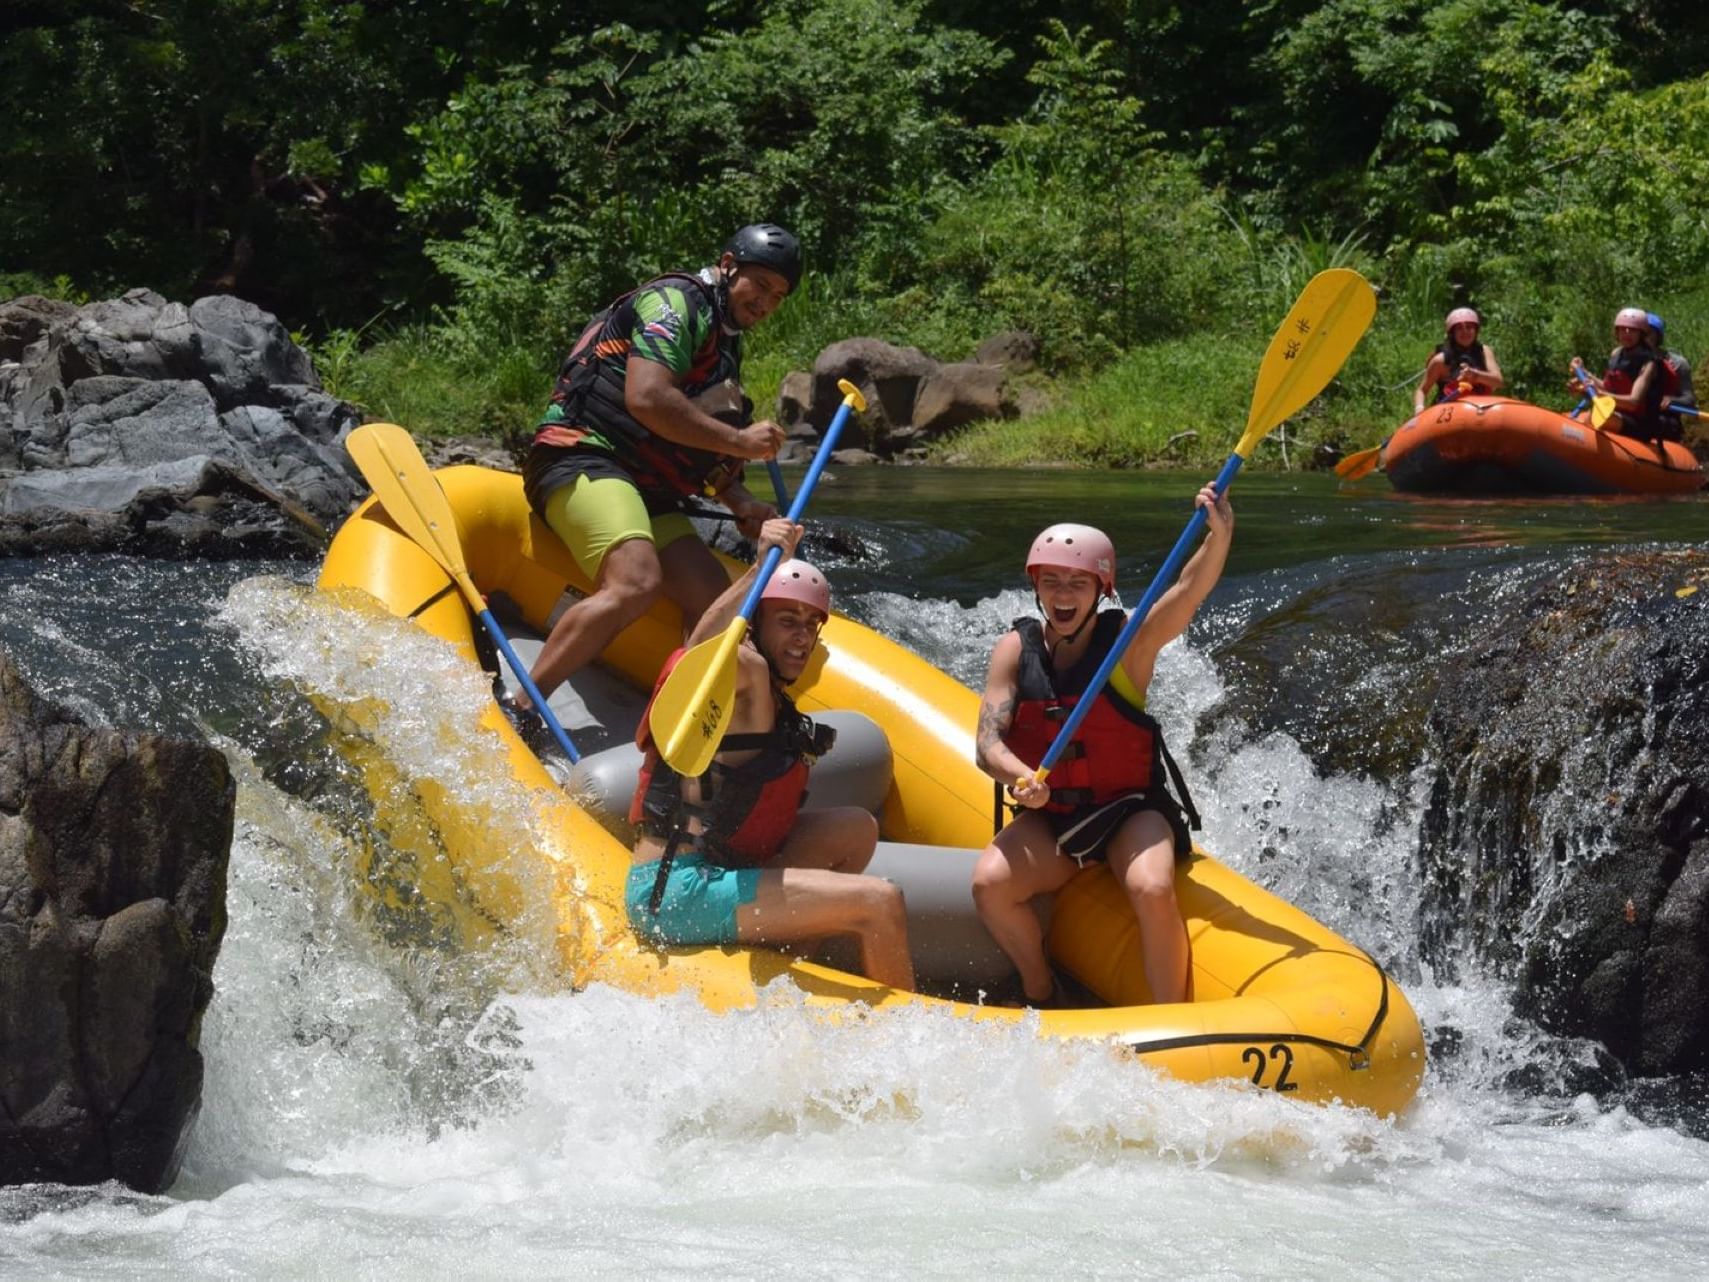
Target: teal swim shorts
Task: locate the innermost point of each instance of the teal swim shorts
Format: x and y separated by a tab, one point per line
699	904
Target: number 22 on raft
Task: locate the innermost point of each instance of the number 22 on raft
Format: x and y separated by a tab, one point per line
1280	1054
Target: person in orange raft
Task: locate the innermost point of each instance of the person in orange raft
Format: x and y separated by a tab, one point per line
1108	798
1461	365
1635	378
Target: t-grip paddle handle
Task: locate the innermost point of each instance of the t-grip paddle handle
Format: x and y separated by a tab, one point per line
852	400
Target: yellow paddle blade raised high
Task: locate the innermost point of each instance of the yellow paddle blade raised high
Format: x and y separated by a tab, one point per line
1321	330
1316	337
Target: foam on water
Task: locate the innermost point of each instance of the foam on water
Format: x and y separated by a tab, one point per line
383	1107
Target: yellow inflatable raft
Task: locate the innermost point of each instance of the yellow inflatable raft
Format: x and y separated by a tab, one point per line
1279	1000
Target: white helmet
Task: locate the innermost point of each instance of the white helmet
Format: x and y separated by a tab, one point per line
1632	318
1462	316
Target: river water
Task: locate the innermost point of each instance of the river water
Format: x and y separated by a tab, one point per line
376	1108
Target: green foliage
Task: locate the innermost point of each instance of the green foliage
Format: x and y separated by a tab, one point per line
1081	229
1146	185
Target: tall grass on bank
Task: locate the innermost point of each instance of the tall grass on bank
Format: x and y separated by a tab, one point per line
409	377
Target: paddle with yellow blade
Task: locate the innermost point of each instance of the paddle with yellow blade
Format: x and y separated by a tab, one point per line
694	706
398	475
1602	405
1327	321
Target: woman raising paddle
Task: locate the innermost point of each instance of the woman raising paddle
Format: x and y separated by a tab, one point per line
1108	798
728	856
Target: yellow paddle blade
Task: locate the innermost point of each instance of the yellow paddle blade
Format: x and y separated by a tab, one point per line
389	461
1325	324
693	708
1601	410
1360	463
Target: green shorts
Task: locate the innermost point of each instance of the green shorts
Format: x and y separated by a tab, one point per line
593	514
699	904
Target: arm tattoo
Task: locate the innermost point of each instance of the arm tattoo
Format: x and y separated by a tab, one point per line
994	719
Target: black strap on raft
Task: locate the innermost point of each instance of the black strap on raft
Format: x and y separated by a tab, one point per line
1358	1055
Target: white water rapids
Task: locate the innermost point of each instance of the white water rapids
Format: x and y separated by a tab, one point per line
380	1110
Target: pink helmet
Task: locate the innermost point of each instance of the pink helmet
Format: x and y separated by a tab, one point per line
1462	316
795	580
1632	317
1075	547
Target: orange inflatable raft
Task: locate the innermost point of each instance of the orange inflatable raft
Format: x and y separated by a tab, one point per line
1493	445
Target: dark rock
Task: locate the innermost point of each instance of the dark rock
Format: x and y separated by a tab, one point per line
482	451
25	321
1567	835
113	855
122	415
1016	349
888	377
953	396
793	400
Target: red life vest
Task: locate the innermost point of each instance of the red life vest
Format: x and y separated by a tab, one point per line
746	811
1118	748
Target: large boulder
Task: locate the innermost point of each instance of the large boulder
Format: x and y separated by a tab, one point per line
113	856
953	396
888	377
911	398
142	425
1566	835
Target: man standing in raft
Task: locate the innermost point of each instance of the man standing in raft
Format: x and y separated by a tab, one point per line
624	444
1107	798
730	857
1460	365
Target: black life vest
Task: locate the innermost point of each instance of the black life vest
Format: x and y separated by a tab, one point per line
746	811
1626	366
1452	358
590	393
1118	749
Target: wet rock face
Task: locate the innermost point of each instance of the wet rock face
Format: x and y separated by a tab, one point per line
113	855
1566	835
140	425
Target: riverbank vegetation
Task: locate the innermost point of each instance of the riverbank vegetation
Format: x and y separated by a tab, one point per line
435	194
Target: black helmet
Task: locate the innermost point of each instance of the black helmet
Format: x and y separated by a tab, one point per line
768	245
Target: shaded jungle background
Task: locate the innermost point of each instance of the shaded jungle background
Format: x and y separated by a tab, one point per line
434	194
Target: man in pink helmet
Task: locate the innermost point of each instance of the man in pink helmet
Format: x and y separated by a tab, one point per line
1108	797
730	856
1636	379
1461	365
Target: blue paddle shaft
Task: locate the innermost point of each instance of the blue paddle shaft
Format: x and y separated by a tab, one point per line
1165	576
821	456
777	484
534	695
